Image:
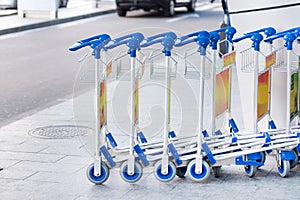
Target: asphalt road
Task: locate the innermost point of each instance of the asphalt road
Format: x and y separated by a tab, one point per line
37	70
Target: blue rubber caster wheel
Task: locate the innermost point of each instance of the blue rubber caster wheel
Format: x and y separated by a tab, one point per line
192	171
181	171
131	178
164	177
250	170
284	168
97	179
293	163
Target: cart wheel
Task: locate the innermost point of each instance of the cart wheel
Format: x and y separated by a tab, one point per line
263	158
284	168
293	163
97	179
250	170
164	177
217	171
198	177
181	171
138	172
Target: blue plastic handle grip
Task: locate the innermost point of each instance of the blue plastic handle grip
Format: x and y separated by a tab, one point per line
136	35
162	35
229	31
255	37
289	38
135	38
93	42
295	30
159	39
268	31
199	33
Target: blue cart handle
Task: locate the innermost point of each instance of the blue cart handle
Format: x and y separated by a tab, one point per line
132	41
255	37
136	35
166	39
269	31
162	35
98	41
229	31
295	30
202	42
288	37
199	33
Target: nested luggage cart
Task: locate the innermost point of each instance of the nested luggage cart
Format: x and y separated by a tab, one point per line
208	148
280	141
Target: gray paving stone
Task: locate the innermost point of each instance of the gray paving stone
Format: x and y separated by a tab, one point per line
4	163
18	174
47	167
38	157
76	160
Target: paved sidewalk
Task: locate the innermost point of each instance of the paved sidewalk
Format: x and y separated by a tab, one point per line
76	9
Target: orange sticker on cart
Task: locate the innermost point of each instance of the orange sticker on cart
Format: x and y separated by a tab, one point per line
102	103
108	68
136	103
229	59
294	95
222	91
263	94
270	60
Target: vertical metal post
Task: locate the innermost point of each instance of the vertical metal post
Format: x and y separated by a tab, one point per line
288	91
97	161
165	157
132	114
255	100
213	93
198	164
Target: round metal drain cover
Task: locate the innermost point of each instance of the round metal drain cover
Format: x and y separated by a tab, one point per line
60	131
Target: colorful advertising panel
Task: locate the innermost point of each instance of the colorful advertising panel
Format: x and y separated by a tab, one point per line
270	60
136	102
294	95
222	91
102	103
229	59
108	68
263	94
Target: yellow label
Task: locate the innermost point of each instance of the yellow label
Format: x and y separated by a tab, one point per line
270	60
108	68
263	94
229	59
102	103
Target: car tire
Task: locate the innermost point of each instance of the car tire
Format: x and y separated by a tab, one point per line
122	12
192	6
63	3
169	11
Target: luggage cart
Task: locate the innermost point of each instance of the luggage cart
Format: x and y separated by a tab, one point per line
164	169
203	155
128	159
280	142
288	62
98	171
160	158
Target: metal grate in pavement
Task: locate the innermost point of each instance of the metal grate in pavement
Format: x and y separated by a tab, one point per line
60	131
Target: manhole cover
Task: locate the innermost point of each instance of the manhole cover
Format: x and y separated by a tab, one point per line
60	132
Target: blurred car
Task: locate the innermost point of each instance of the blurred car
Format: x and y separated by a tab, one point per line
166	6
13	3
8	3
